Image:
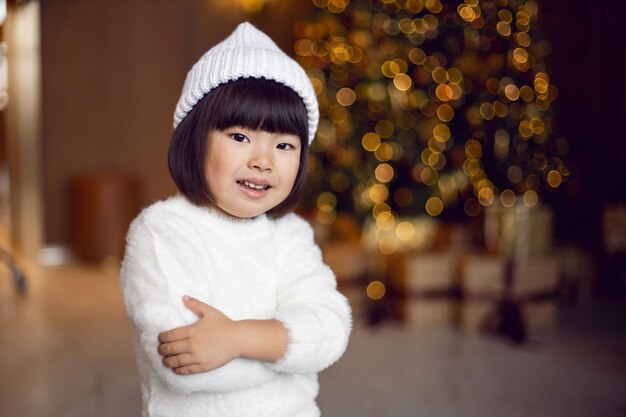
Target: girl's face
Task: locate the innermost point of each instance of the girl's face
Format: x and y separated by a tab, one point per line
250	171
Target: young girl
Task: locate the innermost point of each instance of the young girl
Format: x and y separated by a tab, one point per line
232	309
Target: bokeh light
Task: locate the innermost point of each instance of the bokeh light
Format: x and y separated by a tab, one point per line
428	107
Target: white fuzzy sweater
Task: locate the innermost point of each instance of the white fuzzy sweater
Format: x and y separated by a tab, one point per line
248	269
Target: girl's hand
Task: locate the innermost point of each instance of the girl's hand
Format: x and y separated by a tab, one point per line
205	345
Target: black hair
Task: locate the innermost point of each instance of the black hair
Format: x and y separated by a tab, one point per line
252	103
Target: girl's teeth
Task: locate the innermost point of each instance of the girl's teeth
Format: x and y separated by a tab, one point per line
254	186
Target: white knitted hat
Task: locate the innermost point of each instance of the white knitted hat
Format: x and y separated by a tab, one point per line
246	53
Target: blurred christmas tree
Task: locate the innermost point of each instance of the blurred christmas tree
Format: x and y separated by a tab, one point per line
428	107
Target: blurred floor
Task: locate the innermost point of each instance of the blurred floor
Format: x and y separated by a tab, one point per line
65	351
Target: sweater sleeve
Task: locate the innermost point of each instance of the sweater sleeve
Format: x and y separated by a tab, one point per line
317	317
154	263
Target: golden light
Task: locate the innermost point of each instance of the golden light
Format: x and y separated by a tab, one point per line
554	178
505	15
414	6
346	96
508	198
441	132
520	55
444	92
522	24
537	126
522	39
454	75
318	85
420	26
527	93
417	56
500	109
304	47
503	29
385	220
379	208
530	198
473	149
406	26
433	159
472	168
439	75
370	141
337	6
384	152
486	196
403	66
511	92
466	12
445	113
429	176
403	82
405	231
378	193
525	129
375	290
435	145
384	173
434	206
486	111
390	69
434	6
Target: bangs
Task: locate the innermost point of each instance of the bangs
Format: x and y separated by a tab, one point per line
259	104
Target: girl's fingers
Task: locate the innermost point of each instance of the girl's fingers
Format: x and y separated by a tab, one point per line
174	348
173	335
189	369
177	361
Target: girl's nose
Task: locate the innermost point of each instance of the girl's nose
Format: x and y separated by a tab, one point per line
260	161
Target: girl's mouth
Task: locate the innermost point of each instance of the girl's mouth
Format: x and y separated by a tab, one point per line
253	186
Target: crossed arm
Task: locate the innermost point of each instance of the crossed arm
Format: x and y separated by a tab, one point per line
214	340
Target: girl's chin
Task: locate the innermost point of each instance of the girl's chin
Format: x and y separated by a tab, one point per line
239	214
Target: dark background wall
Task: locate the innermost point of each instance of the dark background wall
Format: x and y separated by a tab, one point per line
587	64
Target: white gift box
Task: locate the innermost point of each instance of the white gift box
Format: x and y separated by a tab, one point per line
426	283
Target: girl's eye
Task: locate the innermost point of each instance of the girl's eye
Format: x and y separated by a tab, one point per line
285	146
239	137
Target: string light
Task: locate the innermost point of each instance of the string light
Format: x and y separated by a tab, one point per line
429	106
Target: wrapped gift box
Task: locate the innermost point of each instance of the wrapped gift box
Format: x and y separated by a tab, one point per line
426	287
482	284
536	283
518	231
531	283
